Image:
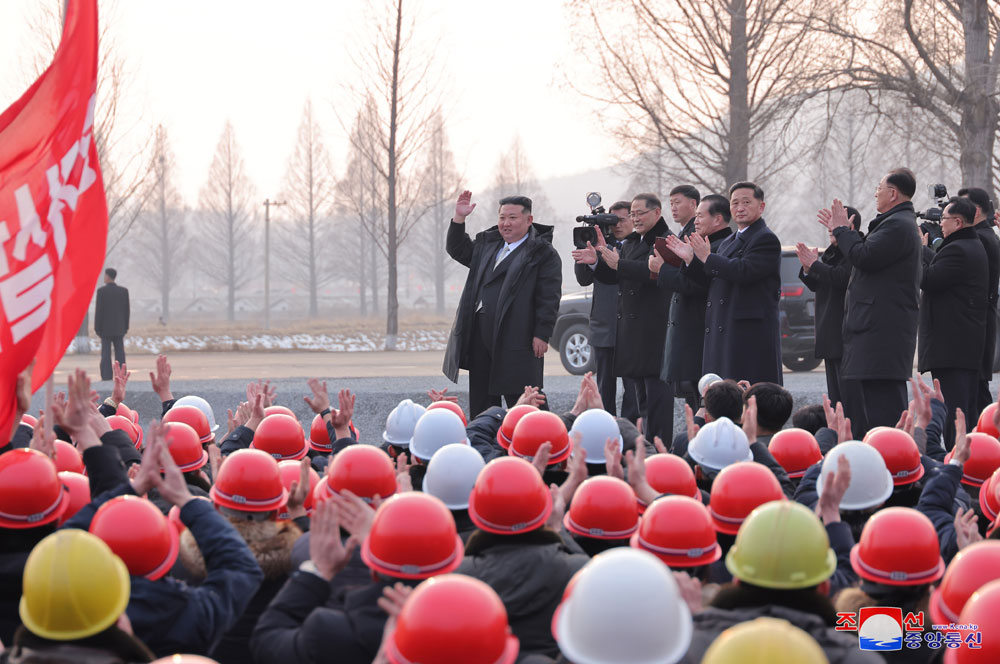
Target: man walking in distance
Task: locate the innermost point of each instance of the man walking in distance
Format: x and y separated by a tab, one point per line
509	304
881	309
604	323
686	328
744	283
111	315
643	310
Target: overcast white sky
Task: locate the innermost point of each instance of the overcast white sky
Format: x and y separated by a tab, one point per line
197	63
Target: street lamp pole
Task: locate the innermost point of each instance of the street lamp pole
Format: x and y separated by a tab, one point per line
268	203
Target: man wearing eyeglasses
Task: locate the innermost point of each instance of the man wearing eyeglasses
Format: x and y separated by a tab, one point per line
880	311
643	310
953	306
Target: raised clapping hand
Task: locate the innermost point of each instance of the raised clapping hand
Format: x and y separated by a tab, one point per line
463	207
700	246
835	217
585	256
161	379
807	255
120	375
655	263
680	247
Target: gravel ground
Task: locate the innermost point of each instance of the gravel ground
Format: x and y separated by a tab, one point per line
377	396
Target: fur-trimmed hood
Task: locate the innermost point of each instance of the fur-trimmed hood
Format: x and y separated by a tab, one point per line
269	541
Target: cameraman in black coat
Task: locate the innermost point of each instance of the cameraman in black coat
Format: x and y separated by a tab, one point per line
953	311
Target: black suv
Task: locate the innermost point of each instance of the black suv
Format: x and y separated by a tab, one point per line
796	312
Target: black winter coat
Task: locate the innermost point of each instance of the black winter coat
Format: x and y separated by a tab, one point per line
111	313
953	304
603	307
828	277
528	304
685	340
530	573
984	229
643	309
880	312
742	339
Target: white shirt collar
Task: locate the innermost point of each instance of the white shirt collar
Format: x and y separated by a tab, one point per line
514	245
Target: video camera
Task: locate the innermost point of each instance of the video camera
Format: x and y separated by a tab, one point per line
597	218
932	215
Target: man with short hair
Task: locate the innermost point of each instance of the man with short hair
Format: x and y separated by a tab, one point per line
682	352
509	304
111	317
880	312
604	322
744	283
984	229
953	310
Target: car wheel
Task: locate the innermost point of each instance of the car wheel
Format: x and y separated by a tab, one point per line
800	363
575	351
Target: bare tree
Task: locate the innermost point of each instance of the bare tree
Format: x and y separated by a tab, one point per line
716	83
304	239
228	215
163	239
396	94
940	57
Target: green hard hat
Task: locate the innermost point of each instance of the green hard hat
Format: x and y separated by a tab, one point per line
782	545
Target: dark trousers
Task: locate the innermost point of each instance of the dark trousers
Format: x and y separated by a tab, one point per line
633	399
873	403
106	343
688	390
984	397
607	384
480	365
833	380
960	390
658	417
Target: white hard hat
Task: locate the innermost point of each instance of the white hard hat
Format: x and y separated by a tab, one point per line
399	425
595	426
200	404
871	481
707	381
452	473
718	444
624	608
435	429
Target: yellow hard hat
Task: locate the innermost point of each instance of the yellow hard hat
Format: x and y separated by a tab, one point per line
782	545
74	587
764	641
185	659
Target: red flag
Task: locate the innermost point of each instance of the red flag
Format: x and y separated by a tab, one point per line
53	214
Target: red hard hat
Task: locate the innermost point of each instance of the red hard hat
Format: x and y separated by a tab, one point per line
898	547
533	429
319	437
413	536
138	533
31	493
133	431
678	530
985	423
450	619
280	436
795	450
79	493
453	407
603	508
509	497
127	412
510	420
29	420
249	481
364	470
739	489
279	410
982	611
68	458
184	446
989	497
290	473
900	453
970	569
194	418
669	473
984	458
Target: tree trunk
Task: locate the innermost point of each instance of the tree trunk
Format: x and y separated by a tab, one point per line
978	128
362	267
739	109
373	264
165	244
231	269
391	301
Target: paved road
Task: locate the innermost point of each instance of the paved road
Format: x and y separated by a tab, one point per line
380	381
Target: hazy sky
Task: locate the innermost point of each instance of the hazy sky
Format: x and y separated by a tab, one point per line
197	63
